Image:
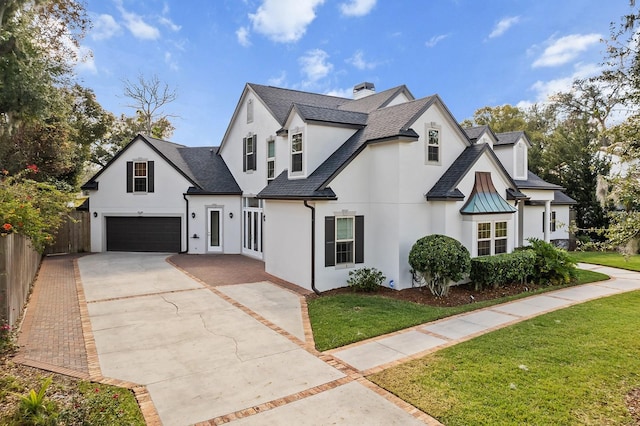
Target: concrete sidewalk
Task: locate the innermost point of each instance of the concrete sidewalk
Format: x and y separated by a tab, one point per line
382	352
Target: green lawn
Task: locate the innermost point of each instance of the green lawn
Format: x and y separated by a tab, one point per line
347	318
613	259
569	367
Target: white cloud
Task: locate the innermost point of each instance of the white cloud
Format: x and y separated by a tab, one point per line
104	27
357	7
502	26
566	49
436	39
358	61
86	62
243	36
278	81
314	65
544	89
343	93
284	21
136	24
169	24
169	60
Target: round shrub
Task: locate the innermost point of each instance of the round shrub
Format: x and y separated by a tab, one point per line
365	279
438	261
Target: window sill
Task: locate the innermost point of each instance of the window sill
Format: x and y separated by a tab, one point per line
345	266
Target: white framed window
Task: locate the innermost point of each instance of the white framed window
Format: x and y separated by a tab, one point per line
249	148
296	153
484	238
552	224
344	240
271	160
140	176
492	238
432	145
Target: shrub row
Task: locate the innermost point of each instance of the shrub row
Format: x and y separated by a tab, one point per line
502	269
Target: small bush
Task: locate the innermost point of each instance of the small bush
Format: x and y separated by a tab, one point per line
6	339
502	269
552	265
35	408
438	261
365	279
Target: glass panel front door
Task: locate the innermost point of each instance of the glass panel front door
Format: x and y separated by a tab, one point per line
252	219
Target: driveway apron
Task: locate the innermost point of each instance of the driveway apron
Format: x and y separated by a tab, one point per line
203	358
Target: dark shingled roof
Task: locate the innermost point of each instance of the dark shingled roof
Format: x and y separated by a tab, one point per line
330	115
509	138
202	166
279	101
387	123
375	101
536	182
473	133
446	187
560	198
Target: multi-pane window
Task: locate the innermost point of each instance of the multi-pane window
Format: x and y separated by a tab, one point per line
296	153
271	160
250	153
433	146
484	239
140	176
492	238
552	224
500	240
344	240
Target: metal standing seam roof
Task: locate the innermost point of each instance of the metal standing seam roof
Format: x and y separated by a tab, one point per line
484	198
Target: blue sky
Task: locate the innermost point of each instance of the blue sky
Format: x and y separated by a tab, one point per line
472	53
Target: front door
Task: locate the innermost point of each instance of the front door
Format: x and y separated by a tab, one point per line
252	218
214	233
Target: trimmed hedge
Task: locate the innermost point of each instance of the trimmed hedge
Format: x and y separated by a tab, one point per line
502	269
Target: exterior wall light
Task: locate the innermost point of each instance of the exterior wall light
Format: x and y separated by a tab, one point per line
95	214
193	215
230	215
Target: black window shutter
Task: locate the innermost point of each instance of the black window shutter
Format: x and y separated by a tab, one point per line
359	239
150	175
244	154
129	176
329	241
544	219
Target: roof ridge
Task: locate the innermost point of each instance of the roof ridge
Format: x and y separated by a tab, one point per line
298	91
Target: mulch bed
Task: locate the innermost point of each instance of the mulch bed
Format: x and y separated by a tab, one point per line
458	295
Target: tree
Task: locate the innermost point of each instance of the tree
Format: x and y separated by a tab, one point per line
148	98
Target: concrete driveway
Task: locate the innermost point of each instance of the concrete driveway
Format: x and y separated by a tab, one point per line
214	355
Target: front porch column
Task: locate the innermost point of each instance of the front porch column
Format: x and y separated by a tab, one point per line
547	221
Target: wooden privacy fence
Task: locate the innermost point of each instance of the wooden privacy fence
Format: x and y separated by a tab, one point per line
74	236
19	264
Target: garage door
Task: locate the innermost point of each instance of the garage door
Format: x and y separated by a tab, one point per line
159	234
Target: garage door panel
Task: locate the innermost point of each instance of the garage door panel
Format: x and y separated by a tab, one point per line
151	234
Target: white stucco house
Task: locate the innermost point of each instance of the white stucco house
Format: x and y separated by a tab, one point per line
317	185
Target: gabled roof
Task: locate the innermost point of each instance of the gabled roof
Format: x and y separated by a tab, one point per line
474	133
377	100
328	115
384	124
201	166
534	181
484	198
446	187
278	101
560	198
510	138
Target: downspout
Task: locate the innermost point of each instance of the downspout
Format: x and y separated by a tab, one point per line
313	247
186	218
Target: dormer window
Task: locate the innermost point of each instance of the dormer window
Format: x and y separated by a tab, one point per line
296	153
432	145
